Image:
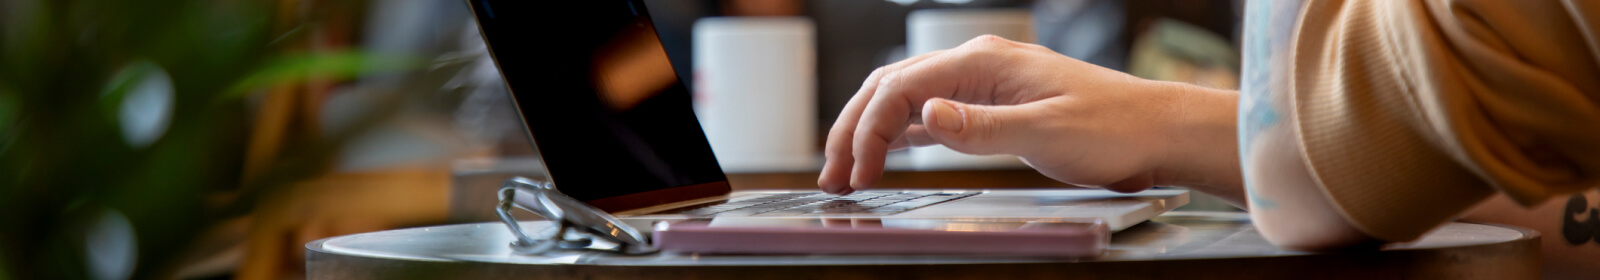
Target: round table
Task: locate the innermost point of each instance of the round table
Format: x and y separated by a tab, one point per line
1188	245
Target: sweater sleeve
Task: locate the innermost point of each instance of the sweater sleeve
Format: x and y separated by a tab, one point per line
1412	111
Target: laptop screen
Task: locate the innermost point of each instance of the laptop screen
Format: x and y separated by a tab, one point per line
613	123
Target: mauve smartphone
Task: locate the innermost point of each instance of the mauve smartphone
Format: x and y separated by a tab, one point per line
857	236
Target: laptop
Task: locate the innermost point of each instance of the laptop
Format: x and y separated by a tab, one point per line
616	129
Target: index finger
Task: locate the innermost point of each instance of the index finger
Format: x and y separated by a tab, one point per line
836	169
897	99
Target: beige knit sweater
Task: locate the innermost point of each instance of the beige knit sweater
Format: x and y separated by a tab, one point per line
1410	111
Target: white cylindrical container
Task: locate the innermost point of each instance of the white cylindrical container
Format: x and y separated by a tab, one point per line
755	91
938	29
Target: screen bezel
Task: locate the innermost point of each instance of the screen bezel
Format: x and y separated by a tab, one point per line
612	204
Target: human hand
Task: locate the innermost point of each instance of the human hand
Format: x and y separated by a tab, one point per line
1072	121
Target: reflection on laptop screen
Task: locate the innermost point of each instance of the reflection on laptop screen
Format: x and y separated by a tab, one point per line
598	95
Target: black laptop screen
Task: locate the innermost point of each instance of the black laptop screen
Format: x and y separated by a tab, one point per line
598	95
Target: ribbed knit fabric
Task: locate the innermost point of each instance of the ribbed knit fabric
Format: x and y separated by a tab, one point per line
1411	111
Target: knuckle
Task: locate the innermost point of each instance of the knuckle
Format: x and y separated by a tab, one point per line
1038	47
839	139
983	126
878	72
868	144
836	135
876	137
890	80
984	48
836	149
875	77
989	40
888	77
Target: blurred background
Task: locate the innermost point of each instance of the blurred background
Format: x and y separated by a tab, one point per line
214	138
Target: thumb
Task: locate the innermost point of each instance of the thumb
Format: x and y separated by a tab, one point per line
980	129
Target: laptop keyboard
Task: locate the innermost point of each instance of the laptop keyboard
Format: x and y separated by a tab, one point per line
793	204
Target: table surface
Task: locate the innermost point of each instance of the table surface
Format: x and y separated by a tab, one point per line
1176	244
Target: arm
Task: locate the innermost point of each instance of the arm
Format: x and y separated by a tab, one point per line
1402	115
1286	203
1569	246
1086	125
1070	120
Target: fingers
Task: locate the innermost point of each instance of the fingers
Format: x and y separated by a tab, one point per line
1073	121
876	119
898	96
837	156
986	129
838	150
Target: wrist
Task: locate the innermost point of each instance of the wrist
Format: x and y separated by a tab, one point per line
1202	141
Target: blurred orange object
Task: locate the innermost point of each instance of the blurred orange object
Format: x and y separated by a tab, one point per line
326	205
339	204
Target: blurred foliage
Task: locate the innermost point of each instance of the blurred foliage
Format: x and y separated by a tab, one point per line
63	157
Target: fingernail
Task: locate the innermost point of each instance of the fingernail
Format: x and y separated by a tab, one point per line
947	117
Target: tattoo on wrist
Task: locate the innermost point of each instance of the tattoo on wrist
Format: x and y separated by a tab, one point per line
1579	223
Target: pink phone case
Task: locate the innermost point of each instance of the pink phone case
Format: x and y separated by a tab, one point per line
1054	239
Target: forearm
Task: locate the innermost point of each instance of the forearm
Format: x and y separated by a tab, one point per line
1204	156
1283	197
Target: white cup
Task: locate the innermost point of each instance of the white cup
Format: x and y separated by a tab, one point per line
938	29
755	91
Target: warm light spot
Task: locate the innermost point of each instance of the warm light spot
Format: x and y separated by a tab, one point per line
632	68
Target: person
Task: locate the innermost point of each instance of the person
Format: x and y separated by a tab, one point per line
1358	123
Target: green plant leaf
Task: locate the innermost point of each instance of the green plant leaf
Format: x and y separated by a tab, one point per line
333	65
